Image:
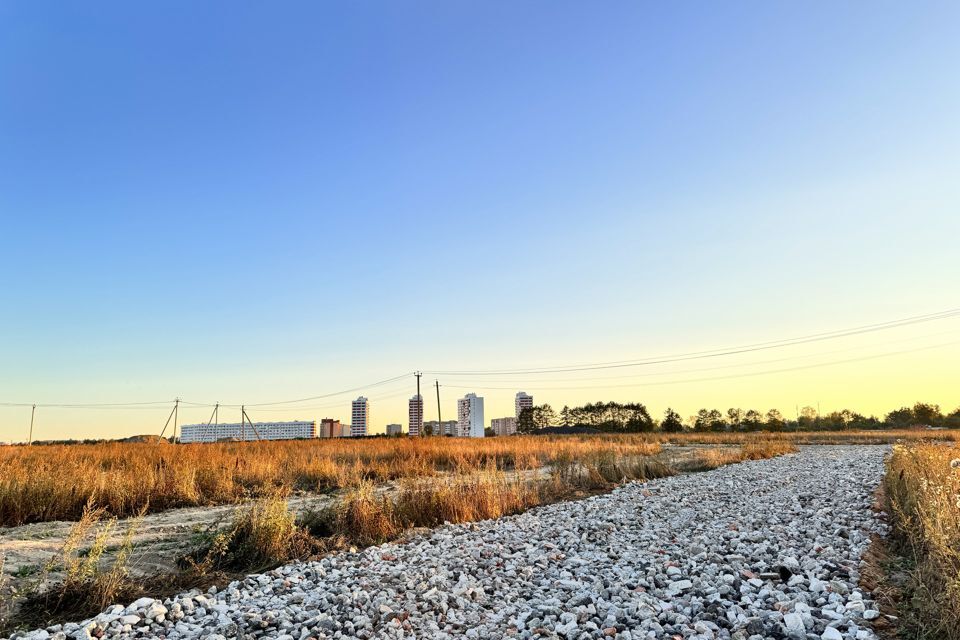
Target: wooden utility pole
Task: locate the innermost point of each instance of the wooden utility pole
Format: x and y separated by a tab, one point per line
169	418
215	416
243	417
176	416
439	417
33	411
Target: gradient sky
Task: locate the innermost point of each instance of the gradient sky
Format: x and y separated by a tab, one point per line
251	202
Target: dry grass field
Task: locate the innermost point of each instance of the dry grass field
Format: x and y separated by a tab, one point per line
923	493
46	483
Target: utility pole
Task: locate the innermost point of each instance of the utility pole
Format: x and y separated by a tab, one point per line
419	405
33	411
176	416
215	416
169	418
439	417
243	417
243	424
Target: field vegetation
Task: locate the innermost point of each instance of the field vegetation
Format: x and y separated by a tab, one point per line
39	484
922	489
55	482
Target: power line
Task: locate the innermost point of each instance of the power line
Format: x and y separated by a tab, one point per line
308	399
754	363
729	377
714	353
335	404
157	404
68	405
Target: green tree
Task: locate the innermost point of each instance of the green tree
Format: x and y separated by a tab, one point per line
775	420
952	420
752	420
735	416
525	423
928	414
808	418
637	418
672	423
900	418
544	416
701	421
717	422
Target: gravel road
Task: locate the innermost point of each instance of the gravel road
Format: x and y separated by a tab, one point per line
765	549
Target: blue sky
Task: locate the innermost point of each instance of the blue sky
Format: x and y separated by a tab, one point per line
259	201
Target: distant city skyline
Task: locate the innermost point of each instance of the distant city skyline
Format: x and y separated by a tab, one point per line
380	189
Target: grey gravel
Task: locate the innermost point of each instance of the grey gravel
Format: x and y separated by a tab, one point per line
765	549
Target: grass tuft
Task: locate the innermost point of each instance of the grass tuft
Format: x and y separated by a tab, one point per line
922	486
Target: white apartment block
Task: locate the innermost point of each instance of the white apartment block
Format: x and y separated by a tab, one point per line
416	416
360	417
239	431
470	416
504	426
523	401
394	429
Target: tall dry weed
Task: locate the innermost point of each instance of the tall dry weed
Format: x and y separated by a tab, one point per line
922	485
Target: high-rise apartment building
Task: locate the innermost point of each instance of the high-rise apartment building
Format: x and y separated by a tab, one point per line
523	401
470	416
504	426
416	416
360	417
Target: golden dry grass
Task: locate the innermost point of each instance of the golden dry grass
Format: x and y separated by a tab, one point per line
369	517
43	483
89	582
720	456
923	491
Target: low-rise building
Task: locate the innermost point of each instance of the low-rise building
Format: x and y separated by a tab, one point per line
333	428
445	428
296	429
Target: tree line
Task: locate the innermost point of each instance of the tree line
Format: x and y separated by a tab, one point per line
633	417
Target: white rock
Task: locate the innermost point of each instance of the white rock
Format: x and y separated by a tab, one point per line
831	633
